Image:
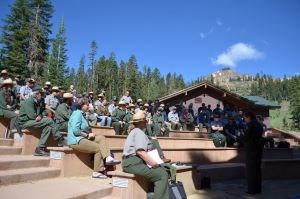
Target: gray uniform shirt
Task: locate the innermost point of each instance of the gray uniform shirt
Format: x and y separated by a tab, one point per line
26	91
136	140
52	101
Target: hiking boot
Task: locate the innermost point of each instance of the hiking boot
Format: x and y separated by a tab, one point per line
61	142
40	151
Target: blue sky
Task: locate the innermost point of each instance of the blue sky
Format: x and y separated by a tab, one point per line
193	38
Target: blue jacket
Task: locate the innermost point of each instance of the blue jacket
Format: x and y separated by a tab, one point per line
76	125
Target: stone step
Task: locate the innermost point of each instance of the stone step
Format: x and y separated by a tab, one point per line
6	142
59	188
27	174
10	150
10	162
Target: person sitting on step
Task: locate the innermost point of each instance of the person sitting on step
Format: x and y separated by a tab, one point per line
217	132
136	158
159	125
103	113
63	112
81	138
174	119
187	120
118	118
31	117
128	117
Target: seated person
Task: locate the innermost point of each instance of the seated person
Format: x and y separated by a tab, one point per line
63	112
7	104
118	118
81	139
128	117
136	158
203	118
52	102
217	132
187	120
103	114
232	133
174	119
31	117
159	126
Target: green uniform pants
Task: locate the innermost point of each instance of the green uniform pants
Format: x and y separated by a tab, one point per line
119	128
98	146
47	125
158	176
188	127
175	126
63	126
12	116
158	132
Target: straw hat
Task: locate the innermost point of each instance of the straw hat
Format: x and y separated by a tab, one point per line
139	100
100	95
146	105
138	117
122	102
67	95
48	83
7	81
4	72
91	92
55	88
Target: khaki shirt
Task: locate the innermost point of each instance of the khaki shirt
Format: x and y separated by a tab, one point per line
136	140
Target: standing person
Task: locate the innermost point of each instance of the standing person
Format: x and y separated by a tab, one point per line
82	139
253	148
63	112
136	158
174	119
31	117
126	97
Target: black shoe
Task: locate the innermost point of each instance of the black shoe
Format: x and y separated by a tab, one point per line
18	127
40	151
61	142
250	193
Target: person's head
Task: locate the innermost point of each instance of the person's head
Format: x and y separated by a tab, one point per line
91	93
114	101
218	105
231	119
83	104
203	105
131	107
162	106
104	102
122	104
191	105
100	97
47	85
7	84
139	120
71	87
249	116
139	101
127	93
54	90
146	107
217	117
173	109
4	74
30	82
159	110
68	98
37	92
209	106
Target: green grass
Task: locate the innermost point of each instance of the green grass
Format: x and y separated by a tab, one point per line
277	116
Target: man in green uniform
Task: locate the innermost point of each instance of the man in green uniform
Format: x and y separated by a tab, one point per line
63	112
160	128
128	117
6	104
31	117
118	118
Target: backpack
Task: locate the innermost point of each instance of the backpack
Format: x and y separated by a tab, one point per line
219	139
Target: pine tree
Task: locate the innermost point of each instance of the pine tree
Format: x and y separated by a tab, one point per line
58	58
69	78
100	74
81	78
294	90
15	40
39	36
92	65
112	76
132	77
122	78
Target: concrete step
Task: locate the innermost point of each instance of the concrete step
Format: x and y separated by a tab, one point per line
27	174
59	188
10	150
6	142
10	162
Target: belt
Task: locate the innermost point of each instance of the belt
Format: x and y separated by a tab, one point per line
128	156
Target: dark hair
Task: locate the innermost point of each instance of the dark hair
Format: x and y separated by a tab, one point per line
249	114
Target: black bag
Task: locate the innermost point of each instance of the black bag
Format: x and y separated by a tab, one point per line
176	191
283	145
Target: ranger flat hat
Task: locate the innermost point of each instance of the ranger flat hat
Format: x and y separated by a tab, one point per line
7	81
146	105
4	72
139	100
138	117
91	92
122	102
67	95
131	105
173	108
31	80
55	88
162	105
100	95
48	83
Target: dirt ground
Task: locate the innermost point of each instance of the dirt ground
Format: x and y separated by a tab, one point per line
235	189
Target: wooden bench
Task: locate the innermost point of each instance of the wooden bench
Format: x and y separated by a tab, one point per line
103	130
189	134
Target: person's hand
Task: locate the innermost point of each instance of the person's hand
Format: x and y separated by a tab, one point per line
154	165
38	118
163	129
91	136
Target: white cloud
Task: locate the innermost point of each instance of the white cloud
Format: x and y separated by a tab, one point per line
236	53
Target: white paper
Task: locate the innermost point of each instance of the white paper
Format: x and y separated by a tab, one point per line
155	156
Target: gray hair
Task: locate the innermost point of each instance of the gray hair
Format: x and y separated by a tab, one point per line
82	101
